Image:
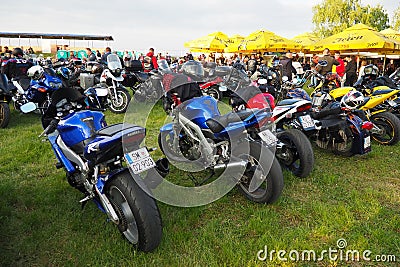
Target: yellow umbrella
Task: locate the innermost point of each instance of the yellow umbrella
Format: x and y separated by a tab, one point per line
233	43
305	40
268	41
213	42
357	38
391	34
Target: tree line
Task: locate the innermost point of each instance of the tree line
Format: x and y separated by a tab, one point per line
333	16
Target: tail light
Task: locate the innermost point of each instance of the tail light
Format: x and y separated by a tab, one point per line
265	121
367	125
42	89
304	107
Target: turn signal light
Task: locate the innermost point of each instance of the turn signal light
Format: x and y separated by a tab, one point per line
42	90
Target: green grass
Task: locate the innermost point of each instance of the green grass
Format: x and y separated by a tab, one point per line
42	224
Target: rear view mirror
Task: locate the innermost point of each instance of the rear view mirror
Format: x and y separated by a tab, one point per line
28	107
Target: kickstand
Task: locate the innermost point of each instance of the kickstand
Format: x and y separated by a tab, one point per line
197	183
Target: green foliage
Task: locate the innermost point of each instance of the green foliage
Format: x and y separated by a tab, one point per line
333	16
396	19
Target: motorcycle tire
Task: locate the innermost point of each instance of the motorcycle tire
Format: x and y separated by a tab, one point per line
139	217
120	104
274	178
389	126
4	114
344	148
297	155
213	93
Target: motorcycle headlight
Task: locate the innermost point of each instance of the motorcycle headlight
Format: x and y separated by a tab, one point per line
116	72
55	85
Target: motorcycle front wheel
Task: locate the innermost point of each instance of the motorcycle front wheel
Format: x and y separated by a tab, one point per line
297	154
270	190
4	114
120	102
138	213
389	128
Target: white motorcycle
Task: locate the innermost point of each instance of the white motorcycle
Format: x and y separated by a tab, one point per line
109	92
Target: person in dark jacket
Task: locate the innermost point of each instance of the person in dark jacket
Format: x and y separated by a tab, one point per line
326	56
104	56
351	71
17	66
287	66
90	55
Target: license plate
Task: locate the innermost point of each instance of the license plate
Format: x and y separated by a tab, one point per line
139	160
367	142
307	122
268	137
223	88
392	103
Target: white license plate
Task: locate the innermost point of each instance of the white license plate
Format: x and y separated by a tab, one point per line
307	122
392	103
139	160
223	88
367	142
268	137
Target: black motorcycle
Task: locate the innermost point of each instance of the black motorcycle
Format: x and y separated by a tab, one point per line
5	98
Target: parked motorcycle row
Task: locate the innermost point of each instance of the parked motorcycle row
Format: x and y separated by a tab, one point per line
272	125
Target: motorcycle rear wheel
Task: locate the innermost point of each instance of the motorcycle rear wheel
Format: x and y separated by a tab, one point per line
298	157
270	190
389	126
344	148
4	114
138	213
121	103
213	93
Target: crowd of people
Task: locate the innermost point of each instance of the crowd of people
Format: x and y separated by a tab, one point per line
348	68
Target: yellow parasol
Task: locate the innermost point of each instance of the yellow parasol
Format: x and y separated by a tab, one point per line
391	34
234	43
357	38
305	40
264	41
213	42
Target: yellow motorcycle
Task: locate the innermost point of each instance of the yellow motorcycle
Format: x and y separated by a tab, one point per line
377	107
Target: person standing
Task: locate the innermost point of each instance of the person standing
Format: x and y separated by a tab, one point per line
17	66
104	56
252	64
351	71
287	66
340	69
90	55
150	61
326	56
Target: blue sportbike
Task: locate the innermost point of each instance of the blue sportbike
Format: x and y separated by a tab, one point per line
199	135
96	156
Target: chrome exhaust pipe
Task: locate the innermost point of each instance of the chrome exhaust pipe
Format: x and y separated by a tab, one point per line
231	165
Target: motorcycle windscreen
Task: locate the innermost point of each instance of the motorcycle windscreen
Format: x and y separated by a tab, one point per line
113	62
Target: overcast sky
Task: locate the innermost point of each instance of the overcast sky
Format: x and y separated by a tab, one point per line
162	24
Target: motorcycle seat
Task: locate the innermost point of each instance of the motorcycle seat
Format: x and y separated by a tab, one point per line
217	124
332	123
116	128
288	102
141	76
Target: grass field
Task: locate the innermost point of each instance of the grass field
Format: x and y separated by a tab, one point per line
356	199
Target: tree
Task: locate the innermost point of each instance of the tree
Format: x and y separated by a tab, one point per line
396	19
333	16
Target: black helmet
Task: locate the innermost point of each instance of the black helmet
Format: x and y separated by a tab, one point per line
17	52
